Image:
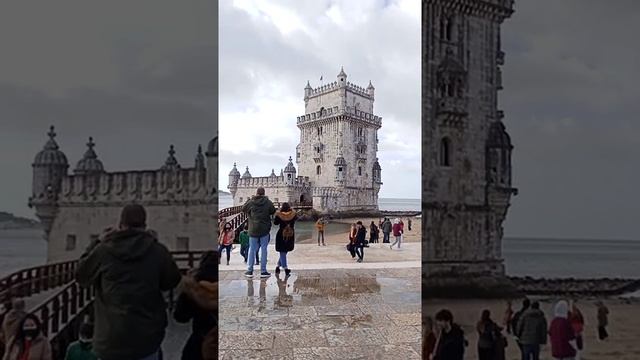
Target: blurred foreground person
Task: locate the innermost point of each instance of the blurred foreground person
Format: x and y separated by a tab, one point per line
198	302
129	269
29	343
429	339
450	344
603	320
83	348
12	320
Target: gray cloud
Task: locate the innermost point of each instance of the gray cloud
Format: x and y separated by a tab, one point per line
571	106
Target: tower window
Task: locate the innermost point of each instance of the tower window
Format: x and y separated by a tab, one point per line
318	170
71	243
359	170
449	30
182	243
445	152
340	168
359	131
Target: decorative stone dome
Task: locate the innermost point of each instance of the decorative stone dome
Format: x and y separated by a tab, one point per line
89	162
246	174
51	154
273	173
342	73
212	148
498	136
171	162
234	171
290	168
340	161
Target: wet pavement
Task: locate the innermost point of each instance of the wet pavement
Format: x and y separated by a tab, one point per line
321	314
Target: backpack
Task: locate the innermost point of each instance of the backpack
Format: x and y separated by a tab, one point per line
287	232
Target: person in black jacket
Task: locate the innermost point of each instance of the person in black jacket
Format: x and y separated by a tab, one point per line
450	344
285	238
198	302
360	241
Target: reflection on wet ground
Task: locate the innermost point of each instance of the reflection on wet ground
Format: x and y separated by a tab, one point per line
321	314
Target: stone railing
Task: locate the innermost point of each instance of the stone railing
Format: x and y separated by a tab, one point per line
335	111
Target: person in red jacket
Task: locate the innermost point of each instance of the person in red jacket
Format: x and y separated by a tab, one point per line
561	333
397	232
577	322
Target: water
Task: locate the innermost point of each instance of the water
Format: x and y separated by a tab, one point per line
21	249
572	258
225	201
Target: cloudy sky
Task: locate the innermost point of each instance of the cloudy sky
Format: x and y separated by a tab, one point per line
137	76
268	51
571	102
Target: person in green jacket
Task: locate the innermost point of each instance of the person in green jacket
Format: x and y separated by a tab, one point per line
244	243
82	349
259	211
129	270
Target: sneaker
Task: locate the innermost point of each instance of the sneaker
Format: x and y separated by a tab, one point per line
287	272
265	275
359	260
323	244
277	269
227	263
248	274
391	247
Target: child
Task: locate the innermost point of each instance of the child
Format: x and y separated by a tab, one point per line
82	349
226	241
244	243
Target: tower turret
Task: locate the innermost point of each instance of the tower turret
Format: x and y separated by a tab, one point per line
371	90
307	90
199	162
377	174
89	164
289	172
246	174
212	165
171	163
342	77
234	177
49	167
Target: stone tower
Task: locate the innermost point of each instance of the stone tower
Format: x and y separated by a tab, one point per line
466	149
212	166
338	146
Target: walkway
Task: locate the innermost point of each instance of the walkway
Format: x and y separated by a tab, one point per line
341	310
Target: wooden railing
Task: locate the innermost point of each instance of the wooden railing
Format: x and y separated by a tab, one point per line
33	280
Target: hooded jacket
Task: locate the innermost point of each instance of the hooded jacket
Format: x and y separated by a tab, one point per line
561	333
129	270
198	301
532	327
39	349
259	210
10	324
386	226
283	219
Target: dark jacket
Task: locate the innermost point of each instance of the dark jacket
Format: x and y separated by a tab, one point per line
283	219
259	210
129	270
450	346
532	328
386	226
361	237
80	351
197	302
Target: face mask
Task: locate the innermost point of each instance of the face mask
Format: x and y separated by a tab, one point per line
85	341
30	333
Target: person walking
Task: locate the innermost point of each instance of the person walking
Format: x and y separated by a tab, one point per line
244	242
487	336
386	230
526	304
129	270
225	241
360	241
561	333
12	320
428	339
82	349
603	320
577	323
259	211
373	232
285	237
508	317
351	245
409	223
320	225
532	332
450	343
397	233
29	343
198	303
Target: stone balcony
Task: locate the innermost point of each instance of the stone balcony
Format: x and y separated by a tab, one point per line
452	106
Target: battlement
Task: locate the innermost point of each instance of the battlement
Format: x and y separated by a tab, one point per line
325	89
173	185
273	181
336	111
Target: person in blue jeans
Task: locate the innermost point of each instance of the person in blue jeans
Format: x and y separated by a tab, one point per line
259	211
285	238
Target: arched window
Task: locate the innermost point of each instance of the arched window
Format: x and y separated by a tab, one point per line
445	152
449	34
318	170
359	170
